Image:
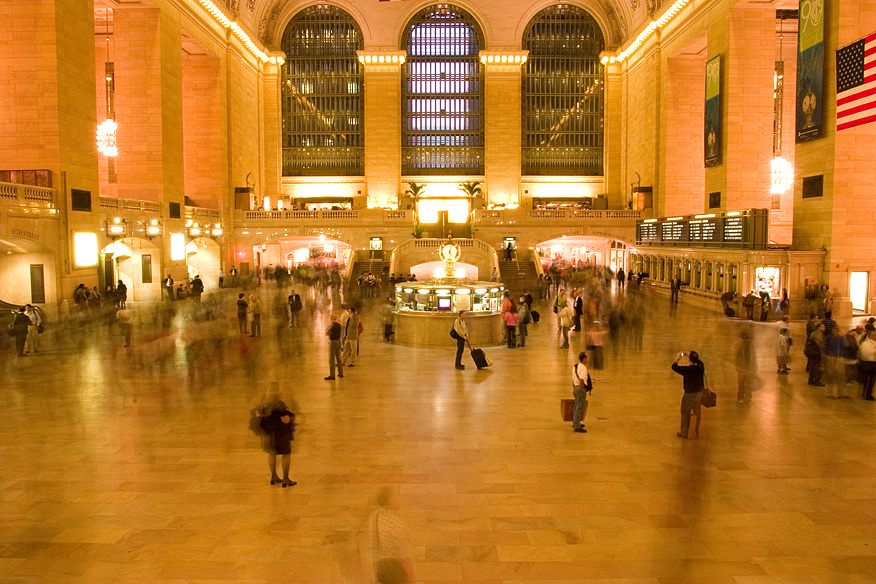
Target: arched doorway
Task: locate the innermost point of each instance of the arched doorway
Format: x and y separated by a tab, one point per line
317	253
583	251
203	259
137	263
27	274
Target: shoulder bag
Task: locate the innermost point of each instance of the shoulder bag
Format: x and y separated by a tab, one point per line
710	398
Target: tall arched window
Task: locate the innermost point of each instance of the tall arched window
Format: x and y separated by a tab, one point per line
442	92
563	94
322	95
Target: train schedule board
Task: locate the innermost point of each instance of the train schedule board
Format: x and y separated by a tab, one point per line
747	229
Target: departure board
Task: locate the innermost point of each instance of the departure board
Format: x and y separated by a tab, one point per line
747	229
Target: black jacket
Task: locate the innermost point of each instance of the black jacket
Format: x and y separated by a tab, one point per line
694	376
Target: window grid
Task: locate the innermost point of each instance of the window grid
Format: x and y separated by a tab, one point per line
563	101
442	94
322	95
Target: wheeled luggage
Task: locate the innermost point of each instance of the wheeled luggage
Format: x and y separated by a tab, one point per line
480	358
535	316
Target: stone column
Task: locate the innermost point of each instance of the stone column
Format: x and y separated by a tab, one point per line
747	44
273	128
619	194
382	124
502	131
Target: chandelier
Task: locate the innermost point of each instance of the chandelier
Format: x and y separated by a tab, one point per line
106	138
781	175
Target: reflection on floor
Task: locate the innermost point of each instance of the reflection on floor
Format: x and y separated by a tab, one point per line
115	470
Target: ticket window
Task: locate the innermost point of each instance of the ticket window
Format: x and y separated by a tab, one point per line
720	285
708	275
734	277
697	275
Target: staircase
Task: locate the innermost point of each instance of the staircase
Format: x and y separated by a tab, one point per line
359	266
518	276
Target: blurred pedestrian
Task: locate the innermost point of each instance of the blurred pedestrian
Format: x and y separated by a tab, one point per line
783	351
334	332
19	329
278	424
34	329
242	306
254	315
746	367
390	549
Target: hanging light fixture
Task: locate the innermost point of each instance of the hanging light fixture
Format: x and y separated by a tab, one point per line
781	171
106	131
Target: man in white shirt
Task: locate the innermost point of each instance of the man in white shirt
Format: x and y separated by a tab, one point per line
461	337
867	359
581	387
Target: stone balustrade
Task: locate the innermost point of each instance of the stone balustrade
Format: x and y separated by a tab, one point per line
27	195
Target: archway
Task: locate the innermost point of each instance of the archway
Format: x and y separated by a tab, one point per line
27	273
314	253
203	259
137	263
583	251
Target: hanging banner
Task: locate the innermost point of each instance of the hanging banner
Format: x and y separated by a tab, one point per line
712	132
810	71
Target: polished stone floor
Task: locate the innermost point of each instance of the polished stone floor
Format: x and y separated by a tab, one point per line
118	470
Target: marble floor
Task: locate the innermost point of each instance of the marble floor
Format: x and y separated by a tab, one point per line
115	470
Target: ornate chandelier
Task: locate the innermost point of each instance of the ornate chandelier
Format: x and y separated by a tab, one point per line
106	138
781	175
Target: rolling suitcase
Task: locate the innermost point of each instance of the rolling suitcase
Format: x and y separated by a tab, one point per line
535	316
480	358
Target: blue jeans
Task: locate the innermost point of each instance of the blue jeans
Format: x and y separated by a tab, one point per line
579	410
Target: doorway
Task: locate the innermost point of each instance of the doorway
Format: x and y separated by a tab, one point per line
859	291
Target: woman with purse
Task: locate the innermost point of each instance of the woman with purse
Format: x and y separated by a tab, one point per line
34	329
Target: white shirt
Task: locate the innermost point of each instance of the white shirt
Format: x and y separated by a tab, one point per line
460	328
579	375
867	350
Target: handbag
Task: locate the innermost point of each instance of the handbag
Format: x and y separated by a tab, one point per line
710	398
40	329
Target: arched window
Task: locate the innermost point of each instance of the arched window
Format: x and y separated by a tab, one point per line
563	94
442	92
322	95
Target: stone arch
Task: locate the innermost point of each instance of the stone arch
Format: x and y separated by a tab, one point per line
277	16
608	15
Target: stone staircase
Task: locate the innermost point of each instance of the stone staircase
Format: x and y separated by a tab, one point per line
518	276
359	266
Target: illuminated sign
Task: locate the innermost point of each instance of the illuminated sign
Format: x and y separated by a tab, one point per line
747	229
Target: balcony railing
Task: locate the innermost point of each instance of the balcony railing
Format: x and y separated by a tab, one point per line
340	216
537	217
116	204
27	195
324	161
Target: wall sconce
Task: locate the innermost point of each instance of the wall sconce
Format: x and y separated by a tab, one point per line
116	228
217	230
194	230
153	229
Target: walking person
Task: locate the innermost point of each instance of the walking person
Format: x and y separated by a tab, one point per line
595	341
19	329
254	315
867	362
511	319
746	367
31	344
694	382
221	278
122	294
565	318
748	303
242	306
582	385
814	351
674	287
783	351
233	274
352	328
197	288
278	425
460	333
388	543
388	317
334	332
524	317
168	288
294	307
125	318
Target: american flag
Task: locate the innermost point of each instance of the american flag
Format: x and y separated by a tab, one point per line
856	84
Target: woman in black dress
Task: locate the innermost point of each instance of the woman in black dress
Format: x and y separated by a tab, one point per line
278	423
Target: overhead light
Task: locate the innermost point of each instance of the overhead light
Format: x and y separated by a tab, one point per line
106	138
